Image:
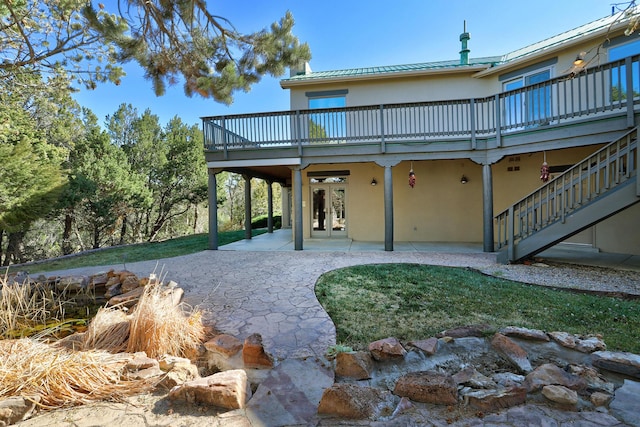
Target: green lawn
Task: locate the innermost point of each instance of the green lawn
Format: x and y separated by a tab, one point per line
141	252
410	301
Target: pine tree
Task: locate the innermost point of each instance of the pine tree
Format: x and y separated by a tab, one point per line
173	41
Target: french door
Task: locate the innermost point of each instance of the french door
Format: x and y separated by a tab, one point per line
328	210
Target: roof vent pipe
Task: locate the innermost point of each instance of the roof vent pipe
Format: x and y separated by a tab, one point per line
464	53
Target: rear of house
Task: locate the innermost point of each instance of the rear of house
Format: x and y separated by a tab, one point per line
433	152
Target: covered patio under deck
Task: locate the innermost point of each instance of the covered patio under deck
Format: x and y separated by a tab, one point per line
570	112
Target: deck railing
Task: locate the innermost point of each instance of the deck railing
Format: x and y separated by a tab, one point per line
596	175
591	92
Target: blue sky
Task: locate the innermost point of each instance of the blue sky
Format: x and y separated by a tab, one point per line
358	33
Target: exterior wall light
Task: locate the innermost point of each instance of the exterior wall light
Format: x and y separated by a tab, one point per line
374	182
463	180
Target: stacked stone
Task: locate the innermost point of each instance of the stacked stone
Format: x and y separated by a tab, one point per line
557	369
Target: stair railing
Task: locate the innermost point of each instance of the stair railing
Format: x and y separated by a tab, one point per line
575	188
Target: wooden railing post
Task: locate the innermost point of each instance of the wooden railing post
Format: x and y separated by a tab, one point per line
472	113
224	138
630	104
298	132
511	234
383	147
498	121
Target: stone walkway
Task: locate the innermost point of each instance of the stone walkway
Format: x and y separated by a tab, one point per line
272	293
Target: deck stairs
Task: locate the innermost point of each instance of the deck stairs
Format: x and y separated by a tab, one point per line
591	191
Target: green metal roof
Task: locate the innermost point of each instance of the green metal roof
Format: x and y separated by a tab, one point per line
558	40
390	69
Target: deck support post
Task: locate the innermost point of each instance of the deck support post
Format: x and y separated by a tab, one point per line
388	209
487	208
269	207
213	210
297	211
247	207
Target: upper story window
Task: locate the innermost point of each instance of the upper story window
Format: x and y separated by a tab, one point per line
327	126
618	79
531	105
623	50
327	102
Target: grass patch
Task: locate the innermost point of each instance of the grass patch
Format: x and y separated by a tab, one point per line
411	301
140	252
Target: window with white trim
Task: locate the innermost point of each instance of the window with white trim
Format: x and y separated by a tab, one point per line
330	125
618	79
530	103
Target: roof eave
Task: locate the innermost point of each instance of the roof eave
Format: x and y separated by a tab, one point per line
518	62
289	83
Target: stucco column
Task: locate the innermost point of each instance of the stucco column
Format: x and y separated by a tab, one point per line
286	206
388	209
297	210
487	208
247	206
212	194
269	207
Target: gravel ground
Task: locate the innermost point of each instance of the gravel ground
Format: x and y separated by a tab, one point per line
572	276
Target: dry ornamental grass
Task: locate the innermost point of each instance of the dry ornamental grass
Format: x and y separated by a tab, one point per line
53	376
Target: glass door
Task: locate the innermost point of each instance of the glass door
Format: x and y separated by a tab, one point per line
329	210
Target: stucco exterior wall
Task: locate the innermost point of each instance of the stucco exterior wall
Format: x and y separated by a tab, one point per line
620	233
439	88
441	209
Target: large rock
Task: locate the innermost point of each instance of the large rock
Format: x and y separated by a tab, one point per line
229	390
226	345
98	282
180	373
511	352
469	376
357	365
561	395
353	401
387	349
626	404
16	408
128	299
141	361
465	331
428	346
129	283
550	374
254	354
621	362
586	344
595	381
428	387
73	283
525	333
494	400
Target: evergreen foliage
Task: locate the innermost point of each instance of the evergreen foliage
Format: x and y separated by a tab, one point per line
173	41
